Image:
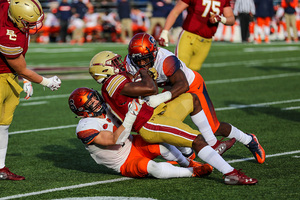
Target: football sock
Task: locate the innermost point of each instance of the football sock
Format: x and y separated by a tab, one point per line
239	135
209	155
200	120
167	170
186	151
3	144
171	153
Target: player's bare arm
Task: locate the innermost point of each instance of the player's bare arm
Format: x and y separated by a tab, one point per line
145	87
228	13
179	7
108	138
19	65
179	83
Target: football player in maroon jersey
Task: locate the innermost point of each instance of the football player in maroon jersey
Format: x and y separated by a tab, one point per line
18	19
163	123
199	26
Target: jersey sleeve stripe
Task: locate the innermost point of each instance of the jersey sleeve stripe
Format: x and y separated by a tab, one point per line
114	84
10	50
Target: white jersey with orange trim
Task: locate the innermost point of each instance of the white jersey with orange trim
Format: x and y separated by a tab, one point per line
113	156
166	64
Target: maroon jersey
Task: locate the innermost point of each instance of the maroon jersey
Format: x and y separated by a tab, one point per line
13	42
118	103
197	19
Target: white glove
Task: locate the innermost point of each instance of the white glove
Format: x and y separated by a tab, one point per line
155	100
134	107
133	110
163	39
27	87
53	83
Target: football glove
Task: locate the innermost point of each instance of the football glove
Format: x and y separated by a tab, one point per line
52	83
163	39
134	107
133	110
28	89
155	100
153	73
216	18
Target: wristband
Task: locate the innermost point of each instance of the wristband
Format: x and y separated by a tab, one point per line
166	96
123	136
165	32
129	120
45	81
223	20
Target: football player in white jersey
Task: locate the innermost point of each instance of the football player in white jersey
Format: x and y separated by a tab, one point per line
173	75
116	149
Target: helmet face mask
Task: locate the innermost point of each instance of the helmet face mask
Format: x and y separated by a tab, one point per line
105	64
142	50
27	15
85	102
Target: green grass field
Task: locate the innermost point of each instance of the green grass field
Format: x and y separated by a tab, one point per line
253	87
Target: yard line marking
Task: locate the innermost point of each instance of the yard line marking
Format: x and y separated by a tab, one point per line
252	78
251	62
47	97
59	50
207	82
257	105
272	49
122	179
66	188
43	129
291	108
33	103
233	107
267	156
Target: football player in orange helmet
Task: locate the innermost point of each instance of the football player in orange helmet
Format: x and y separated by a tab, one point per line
18	19
116	149
163	124
176	79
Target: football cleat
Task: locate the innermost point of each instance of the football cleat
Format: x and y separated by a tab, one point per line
222	147
5	174
236	177
194	163
256	149
202	170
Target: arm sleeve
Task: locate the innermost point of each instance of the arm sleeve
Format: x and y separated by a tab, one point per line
87	136
170	65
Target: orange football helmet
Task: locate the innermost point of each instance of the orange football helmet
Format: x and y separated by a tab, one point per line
142	46
86	102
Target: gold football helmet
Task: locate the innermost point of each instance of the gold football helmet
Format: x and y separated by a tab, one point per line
28	15
105	64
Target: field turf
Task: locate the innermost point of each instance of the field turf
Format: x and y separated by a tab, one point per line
253	87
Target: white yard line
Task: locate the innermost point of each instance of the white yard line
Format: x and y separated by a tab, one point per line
126	178
122	179
252	62
254	78
217	109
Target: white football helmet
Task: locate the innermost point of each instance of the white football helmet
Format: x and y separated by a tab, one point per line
26	14
105	64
